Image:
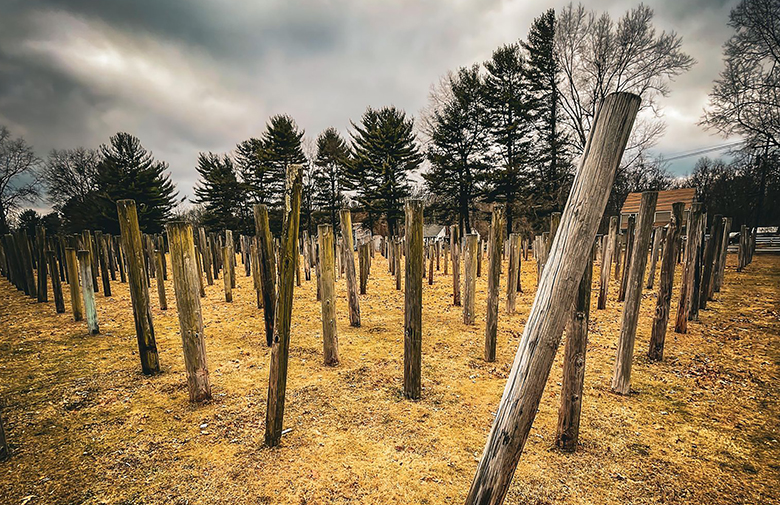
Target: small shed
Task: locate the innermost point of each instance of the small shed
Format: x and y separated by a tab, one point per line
434	232
663	208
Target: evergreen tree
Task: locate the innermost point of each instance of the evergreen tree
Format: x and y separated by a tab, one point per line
385	152
507	112
458	147
127	170
552	161
330	177
219	191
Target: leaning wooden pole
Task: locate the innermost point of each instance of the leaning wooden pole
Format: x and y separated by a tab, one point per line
327	282
277	379
554	298
139	286
186	286
267	270
665	284
621	379
691	252
413	210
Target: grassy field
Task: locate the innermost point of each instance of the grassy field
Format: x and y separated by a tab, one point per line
85	426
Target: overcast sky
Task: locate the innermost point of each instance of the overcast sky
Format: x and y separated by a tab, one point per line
202	75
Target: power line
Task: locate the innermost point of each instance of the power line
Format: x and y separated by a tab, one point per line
704	150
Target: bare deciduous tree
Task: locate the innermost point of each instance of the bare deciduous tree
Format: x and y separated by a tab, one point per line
18	175
70	174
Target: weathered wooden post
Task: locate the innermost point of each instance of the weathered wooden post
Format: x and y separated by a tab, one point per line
363	258
654	252
257	283
413	299
108	243
711	260
229	261
277	379
686	283
25	254
205	250
455	247
437	244
495	238
327	279
267	270
186	286
574	363
139	287
120	259
159	259
88	245
102	260
397	260
431	258
693	314
87	288
514	262
5	450
724	244
226	274
552	306
446	259
606	262
470	282
630	233
76	303
40	249
742	248
199	264
665	284
621	380
349	267
480	246
56	286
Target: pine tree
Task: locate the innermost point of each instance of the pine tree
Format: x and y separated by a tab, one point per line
330	176
552	161
507	110
127	170
458	148
385	152
219	191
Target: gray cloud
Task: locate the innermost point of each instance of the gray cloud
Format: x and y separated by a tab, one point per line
203	75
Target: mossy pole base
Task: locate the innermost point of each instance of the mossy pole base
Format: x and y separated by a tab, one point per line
133	246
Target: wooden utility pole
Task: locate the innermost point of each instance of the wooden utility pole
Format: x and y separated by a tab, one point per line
554	298
267	270
413	210
76	304
327	280
621	380
514	261
186	286
277	379
349	267
495	239
665	284
606	262
691	251
574	364
470	281
87	288
139	287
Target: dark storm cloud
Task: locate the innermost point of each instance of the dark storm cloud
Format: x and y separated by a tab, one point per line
189	76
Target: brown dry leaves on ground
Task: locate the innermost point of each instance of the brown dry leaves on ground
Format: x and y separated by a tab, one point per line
85	425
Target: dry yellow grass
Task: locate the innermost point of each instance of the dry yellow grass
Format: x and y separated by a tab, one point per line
86	426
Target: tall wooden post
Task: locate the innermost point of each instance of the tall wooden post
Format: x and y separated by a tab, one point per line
89	245
229	262
267	270
621	380
552	306
397	260
205	250
186	286
139	287
40	249
724	246
470	281
199	264
120	259
574	364
76	303
711	260
480	247
495	238
363	259
327	279
455	246
630	233
431	254
277	379
413	299
349	267
686	283
226	275
665	283
159	259
654	252
102	259
87	288
606	262
693	314
56	286
742	248
514	261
